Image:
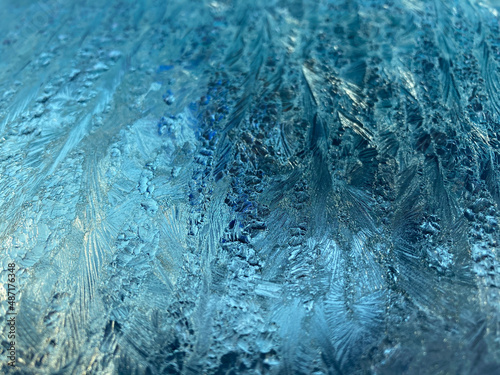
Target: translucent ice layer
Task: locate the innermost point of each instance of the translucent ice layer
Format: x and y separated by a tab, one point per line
250	187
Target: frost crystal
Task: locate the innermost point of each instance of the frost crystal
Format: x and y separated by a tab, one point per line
250	187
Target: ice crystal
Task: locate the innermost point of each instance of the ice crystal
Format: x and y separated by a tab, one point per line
251	187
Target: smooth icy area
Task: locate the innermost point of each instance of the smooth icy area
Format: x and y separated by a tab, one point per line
251	187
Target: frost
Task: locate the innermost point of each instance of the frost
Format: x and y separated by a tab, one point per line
254	187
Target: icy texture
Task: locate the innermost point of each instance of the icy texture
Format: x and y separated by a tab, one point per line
251	187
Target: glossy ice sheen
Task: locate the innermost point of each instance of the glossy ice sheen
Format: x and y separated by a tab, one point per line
251	187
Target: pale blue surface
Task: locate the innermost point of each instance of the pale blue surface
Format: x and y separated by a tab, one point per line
251	187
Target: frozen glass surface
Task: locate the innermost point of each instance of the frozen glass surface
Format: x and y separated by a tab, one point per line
250	187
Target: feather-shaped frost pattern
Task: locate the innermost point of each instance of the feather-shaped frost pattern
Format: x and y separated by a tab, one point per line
250	187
